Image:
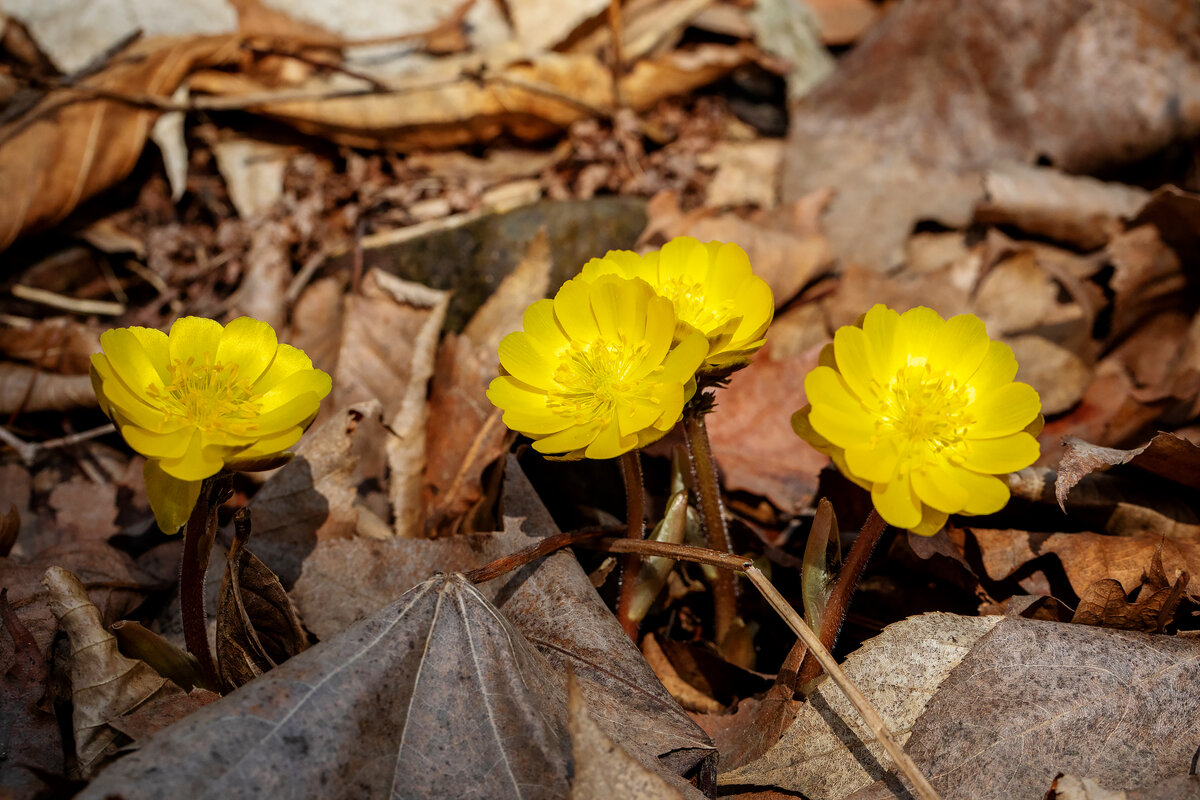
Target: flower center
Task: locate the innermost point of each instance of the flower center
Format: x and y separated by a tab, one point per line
212	397
594	379
928	408
694	307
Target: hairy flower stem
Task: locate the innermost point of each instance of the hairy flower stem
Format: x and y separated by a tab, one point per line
708	486
198	537
635	528
802	664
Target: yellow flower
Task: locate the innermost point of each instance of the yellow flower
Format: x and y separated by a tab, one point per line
712	288
923	412
204	398
594	373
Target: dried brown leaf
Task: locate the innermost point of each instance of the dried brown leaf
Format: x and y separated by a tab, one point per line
1086	557
104	683
529	100
553	605
29	735
27	389
1166	455
603	769
73	145
1034	699
10	526
465	432
257	626
59	344
435	694
827	752
313	498
751	431
878	130
1076	209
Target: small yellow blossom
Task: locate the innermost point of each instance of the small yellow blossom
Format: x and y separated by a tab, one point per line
204	398
712	288
924	413
596	372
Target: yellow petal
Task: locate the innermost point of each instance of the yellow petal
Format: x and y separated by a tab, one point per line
154	342
961	347
249	343
313	381
157	445
880	325
672	397
512	395
293	412
874	461
608	294
171	499
572	438
756	301
267	446
609	443
985	494
997	456
524	362
545	334
1004	410
855	362
936	487
897	503
658	335
999	367
196	338
635	416
919	328
573	309
685	358
136	410
129	361
288	361
533	424
195	464
931	522
729	272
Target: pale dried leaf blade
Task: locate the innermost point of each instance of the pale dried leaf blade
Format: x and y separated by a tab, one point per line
1044	698
28	389
602	767
104	684
70	147
1166	455
827	753
257	626
432	696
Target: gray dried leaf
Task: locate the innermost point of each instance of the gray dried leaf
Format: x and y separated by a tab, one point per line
104	684
435	695
1034	699
1166	455
257	626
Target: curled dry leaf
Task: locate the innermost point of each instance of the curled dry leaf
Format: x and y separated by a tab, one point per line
603	769
60	344
313	497
1076	209
827	753
753	441
530	100
1166	455
104	684
72	144
465	432
29	735
1034	699
388	349
257	626
1086	557
436	693
552	603
27	389
876	130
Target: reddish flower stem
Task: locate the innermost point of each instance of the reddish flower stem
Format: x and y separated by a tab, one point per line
198	537
635	528
708	486
800	662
